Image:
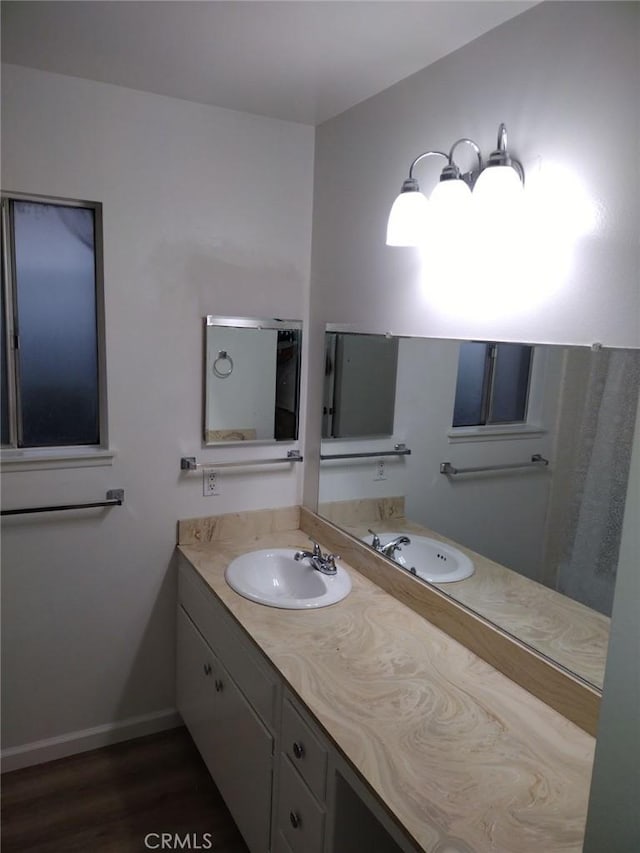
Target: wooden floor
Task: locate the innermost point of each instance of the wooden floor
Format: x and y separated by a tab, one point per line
108	800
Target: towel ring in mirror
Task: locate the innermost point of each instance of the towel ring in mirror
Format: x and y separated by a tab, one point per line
223	365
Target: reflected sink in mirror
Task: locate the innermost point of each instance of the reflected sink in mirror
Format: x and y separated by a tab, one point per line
428	559
273	577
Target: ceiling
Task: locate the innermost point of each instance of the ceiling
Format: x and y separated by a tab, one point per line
299	60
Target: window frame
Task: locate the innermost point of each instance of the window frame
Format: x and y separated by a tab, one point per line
13	452
530	427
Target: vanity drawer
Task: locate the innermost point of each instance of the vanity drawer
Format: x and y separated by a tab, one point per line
252	675
300	816
305	750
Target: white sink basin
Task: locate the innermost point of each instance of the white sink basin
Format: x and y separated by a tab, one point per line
429	559
274	578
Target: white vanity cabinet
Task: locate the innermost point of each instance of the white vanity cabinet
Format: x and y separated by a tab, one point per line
286	785
236	744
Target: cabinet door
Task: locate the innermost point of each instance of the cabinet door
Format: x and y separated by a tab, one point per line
259	685
234	744
195	686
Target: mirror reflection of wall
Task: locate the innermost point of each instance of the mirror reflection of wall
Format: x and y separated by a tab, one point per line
252	379
558	525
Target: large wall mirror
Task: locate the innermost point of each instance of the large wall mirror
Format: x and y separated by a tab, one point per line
251	379
511	455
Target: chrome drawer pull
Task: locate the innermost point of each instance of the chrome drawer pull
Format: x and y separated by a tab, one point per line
295	819
298	749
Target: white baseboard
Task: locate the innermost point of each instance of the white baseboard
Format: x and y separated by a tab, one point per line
39	751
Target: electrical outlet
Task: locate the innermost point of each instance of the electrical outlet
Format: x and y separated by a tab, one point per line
380	473
210	486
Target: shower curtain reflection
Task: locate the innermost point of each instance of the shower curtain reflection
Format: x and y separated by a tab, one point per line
599	428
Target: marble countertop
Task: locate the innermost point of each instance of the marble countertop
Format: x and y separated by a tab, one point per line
564	630
454	749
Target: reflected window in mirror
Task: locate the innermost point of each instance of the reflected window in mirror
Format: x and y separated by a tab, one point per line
492	385
252	379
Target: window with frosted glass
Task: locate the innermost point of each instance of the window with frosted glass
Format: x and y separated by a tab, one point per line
53	353
493	383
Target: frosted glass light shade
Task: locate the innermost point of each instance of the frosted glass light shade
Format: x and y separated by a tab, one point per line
450	197
408	220
498	185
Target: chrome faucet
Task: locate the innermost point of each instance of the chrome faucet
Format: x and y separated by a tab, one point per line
391	547
375	542
323	563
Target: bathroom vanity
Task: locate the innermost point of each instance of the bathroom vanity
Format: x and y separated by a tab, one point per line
262	748
362	726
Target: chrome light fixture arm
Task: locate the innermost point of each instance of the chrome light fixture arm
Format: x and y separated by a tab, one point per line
499	157
411	184
453	170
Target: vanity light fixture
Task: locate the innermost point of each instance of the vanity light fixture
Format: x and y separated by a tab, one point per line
494	183
409	216
503	174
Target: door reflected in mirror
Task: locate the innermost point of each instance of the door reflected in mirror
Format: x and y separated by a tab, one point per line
534	492
359	385
252	379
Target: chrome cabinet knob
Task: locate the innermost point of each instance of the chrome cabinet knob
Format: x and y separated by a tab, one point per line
295	819
298	749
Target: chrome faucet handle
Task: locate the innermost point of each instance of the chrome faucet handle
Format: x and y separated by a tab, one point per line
328	564
376	539
317	550
391	547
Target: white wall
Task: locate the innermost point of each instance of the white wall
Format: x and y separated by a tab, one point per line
206	211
